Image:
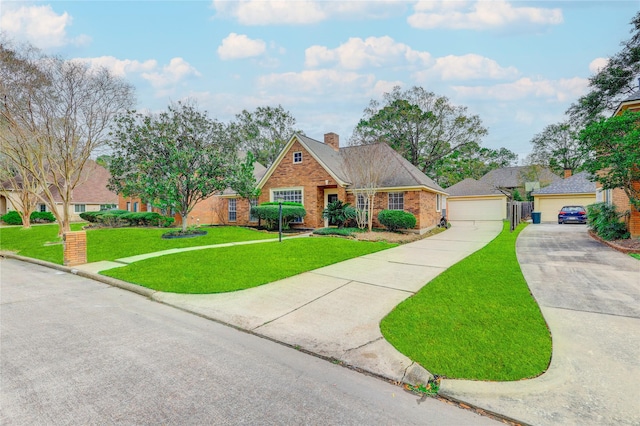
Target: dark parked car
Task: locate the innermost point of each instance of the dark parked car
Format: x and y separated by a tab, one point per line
576	214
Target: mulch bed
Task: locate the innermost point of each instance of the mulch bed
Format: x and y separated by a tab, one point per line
631	245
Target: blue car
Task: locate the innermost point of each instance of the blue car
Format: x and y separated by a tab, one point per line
575	214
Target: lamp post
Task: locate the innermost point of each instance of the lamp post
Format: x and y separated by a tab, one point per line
279	219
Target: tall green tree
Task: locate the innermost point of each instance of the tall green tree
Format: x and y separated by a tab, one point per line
616	81
613	145
471	161
176	159
264	132
420	125
558	147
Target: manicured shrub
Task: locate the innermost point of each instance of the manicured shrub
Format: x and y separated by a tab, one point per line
605	221
42	217
268	213
94	216
345	232
144	219
394	220
339	213
12	218
111	220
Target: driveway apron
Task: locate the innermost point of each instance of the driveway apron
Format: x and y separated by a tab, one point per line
335	311
589	295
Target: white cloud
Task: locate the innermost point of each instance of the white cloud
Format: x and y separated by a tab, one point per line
317	81
466	67
553	90
357	53
119	67
177	70
597	64
238	46
301	12
480	15
39	25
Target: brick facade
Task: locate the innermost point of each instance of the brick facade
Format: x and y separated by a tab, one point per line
75	248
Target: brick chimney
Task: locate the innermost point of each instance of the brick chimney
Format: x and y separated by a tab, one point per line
333	140
567	173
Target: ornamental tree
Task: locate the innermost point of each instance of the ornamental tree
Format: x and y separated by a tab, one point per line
613	146
176	158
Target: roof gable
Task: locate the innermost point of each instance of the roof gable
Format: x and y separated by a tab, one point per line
514	177
576	184
92	188
471	187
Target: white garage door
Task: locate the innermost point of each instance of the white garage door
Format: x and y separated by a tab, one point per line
494	209
550	206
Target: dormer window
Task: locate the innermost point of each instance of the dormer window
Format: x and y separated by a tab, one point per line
297	157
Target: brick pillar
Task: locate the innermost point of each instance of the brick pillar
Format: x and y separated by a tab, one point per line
75	248
333	140
567	173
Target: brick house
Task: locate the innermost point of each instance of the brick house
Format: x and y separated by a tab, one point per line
617	196
312	173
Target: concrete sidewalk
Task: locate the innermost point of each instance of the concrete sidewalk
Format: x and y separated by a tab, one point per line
335	311
589	295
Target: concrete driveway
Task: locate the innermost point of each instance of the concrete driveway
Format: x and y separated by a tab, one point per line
335	311
589	295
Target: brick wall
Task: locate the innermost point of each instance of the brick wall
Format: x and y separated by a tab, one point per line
75	248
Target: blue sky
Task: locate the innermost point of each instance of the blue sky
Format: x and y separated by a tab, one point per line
516	64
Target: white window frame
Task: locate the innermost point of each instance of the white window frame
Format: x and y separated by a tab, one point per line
128	206
253	202
135	206
438	202
272	197
79	208
297	157
232	209
362	202
42	208
394	200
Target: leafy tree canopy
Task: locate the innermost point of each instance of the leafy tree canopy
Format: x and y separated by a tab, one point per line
614	148
420	125
264	132
558	147
176	159
616	81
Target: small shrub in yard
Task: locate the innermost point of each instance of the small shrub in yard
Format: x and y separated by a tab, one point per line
345	232
605	222
94	217
42	217
268	212
339	213
12	218
146	219
394	220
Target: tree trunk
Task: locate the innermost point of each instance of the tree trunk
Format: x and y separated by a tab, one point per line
26	218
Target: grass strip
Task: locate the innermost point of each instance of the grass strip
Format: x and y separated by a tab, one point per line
477	320
240	267
42	241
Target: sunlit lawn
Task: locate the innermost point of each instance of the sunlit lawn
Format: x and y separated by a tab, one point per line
240	267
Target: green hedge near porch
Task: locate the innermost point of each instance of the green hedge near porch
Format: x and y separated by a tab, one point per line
477	320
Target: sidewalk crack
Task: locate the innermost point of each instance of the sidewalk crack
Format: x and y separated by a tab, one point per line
363	345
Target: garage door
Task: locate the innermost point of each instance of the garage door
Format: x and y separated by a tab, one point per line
549	207
493	209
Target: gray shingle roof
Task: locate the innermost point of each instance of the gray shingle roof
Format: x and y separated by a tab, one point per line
92	188
258	171
634	96
471	187
514	177
576	184
405	174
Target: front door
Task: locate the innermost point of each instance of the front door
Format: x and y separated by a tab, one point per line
330	199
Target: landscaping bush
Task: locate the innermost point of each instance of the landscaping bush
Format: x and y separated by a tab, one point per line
604	220
268	212
345	232
146	219
94	217
339	213
12	218
394	220
42	217
111	220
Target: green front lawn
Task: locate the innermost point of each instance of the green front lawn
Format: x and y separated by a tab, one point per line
477	320
114	243
239	267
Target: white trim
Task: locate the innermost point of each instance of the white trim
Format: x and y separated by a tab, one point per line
402	189
294	157
439	202
291	188
326	201
389	200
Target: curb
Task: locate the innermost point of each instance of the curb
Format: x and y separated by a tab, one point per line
611	245
148	293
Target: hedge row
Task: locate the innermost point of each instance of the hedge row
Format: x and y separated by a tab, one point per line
14	218
269	213
116	218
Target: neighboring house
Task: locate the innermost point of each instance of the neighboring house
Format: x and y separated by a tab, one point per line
617	196
91	194
9	198
475	200
576	190
521	178
312	173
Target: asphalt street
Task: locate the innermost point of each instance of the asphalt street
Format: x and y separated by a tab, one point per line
75	351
